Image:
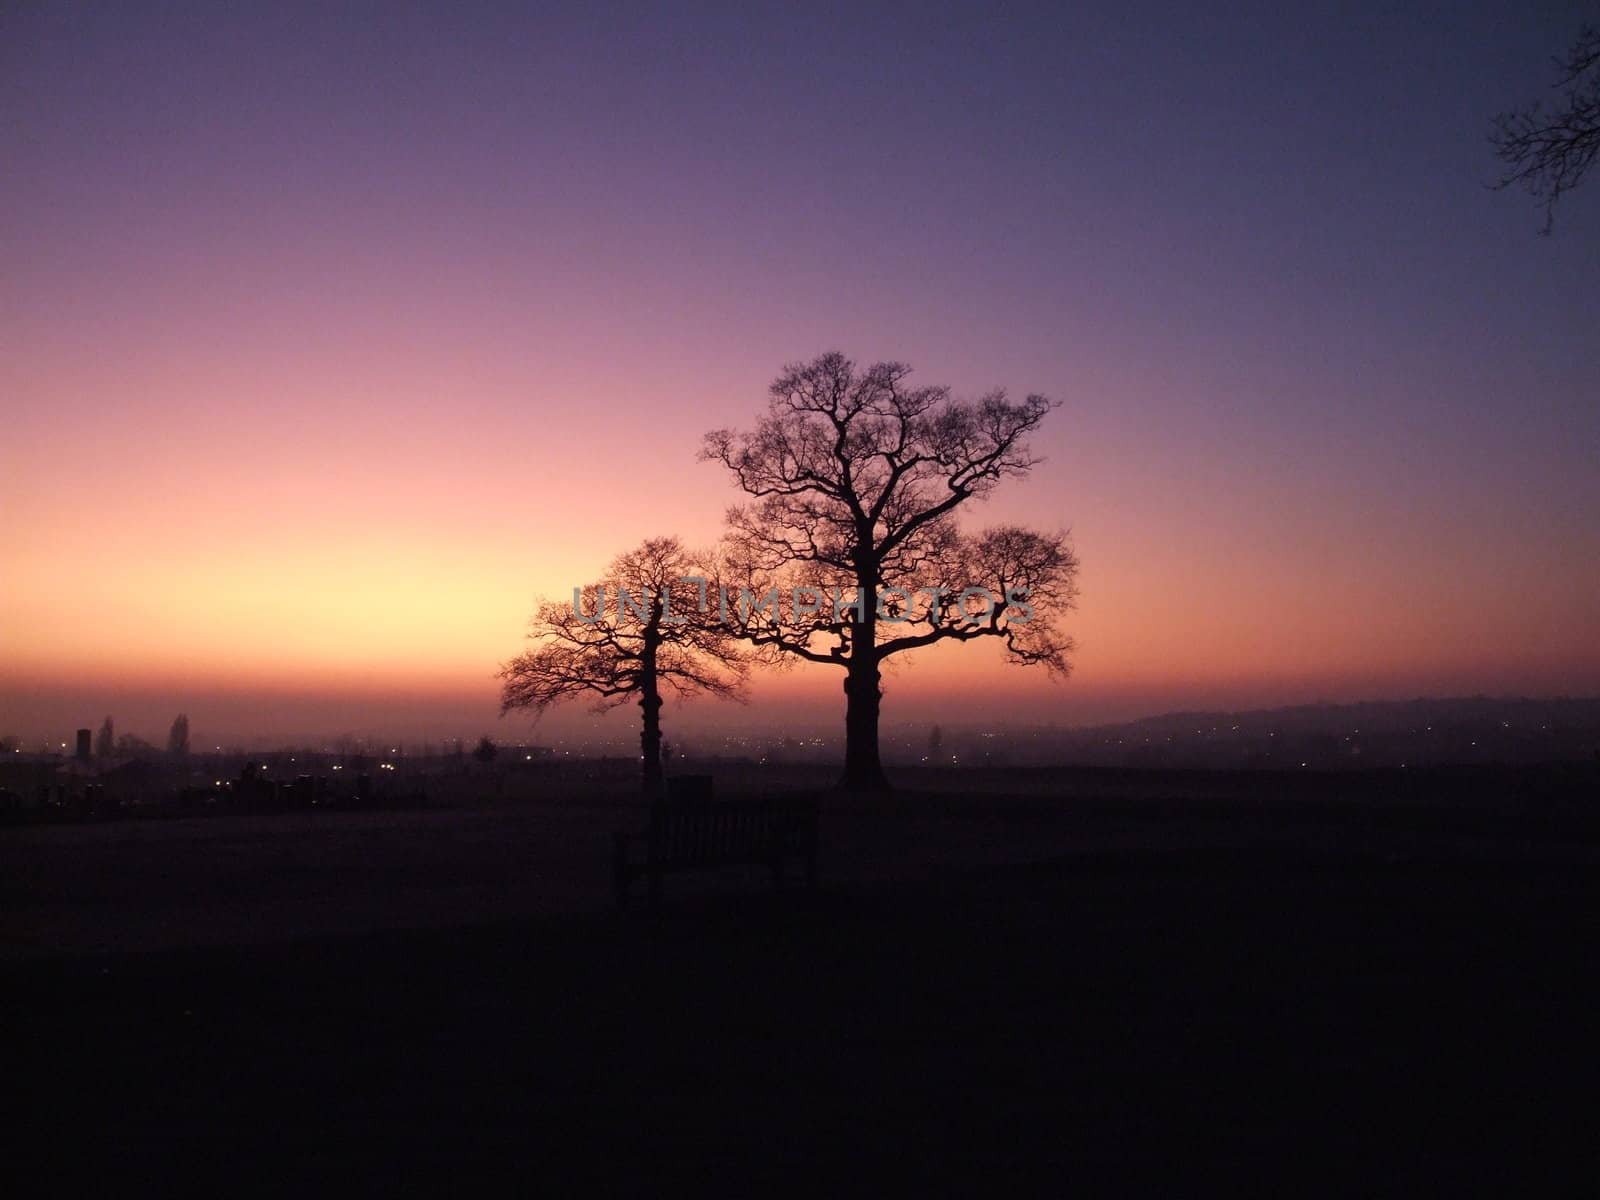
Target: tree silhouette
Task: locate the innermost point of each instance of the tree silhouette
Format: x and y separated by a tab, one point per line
178	737
644	626
105	742
131	745
485	751
1550	151
855	478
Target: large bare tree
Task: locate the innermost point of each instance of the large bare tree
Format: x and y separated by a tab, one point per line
848	552
641	628
1550	150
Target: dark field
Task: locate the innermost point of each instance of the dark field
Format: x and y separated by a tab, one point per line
1066	977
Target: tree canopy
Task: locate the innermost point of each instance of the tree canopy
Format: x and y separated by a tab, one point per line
1549	151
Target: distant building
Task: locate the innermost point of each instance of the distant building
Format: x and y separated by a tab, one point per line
85	744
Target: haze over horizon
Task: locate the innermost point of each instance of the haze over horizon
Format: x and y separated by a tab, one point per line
333	339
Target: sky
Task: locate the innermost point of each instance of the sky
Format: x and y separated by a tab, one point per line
331	337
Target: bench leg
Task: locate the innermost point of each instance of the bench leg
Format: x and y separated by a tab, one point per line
655	885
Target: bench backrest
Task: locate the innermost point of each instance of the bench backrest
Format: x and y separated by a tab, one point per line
729	831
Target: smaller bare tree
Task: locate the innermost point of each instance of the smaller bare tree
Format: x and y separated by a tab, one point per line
1549	151
644	627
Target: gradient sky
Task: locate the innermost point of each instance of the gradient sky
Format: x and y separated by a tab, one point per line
330	339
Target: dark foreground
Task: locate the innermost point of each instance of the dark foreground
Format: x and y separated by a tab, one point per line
1197	1018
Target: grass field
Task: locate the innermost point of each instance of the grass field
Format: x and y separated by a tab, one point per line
1091	986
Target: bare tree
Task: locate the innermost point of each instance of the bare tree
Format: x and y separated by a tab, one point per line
178	737
1549	151
105	742
644	627
855	478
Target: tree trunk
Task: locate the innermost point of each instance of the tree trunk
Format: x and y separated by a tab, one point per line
863	769
650	707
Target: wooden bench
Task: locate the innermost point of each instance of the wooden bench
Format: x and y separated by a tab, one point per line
695	835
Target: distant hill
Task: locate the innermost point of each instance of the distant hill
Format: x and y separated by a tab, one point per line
1374	733
1386	716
